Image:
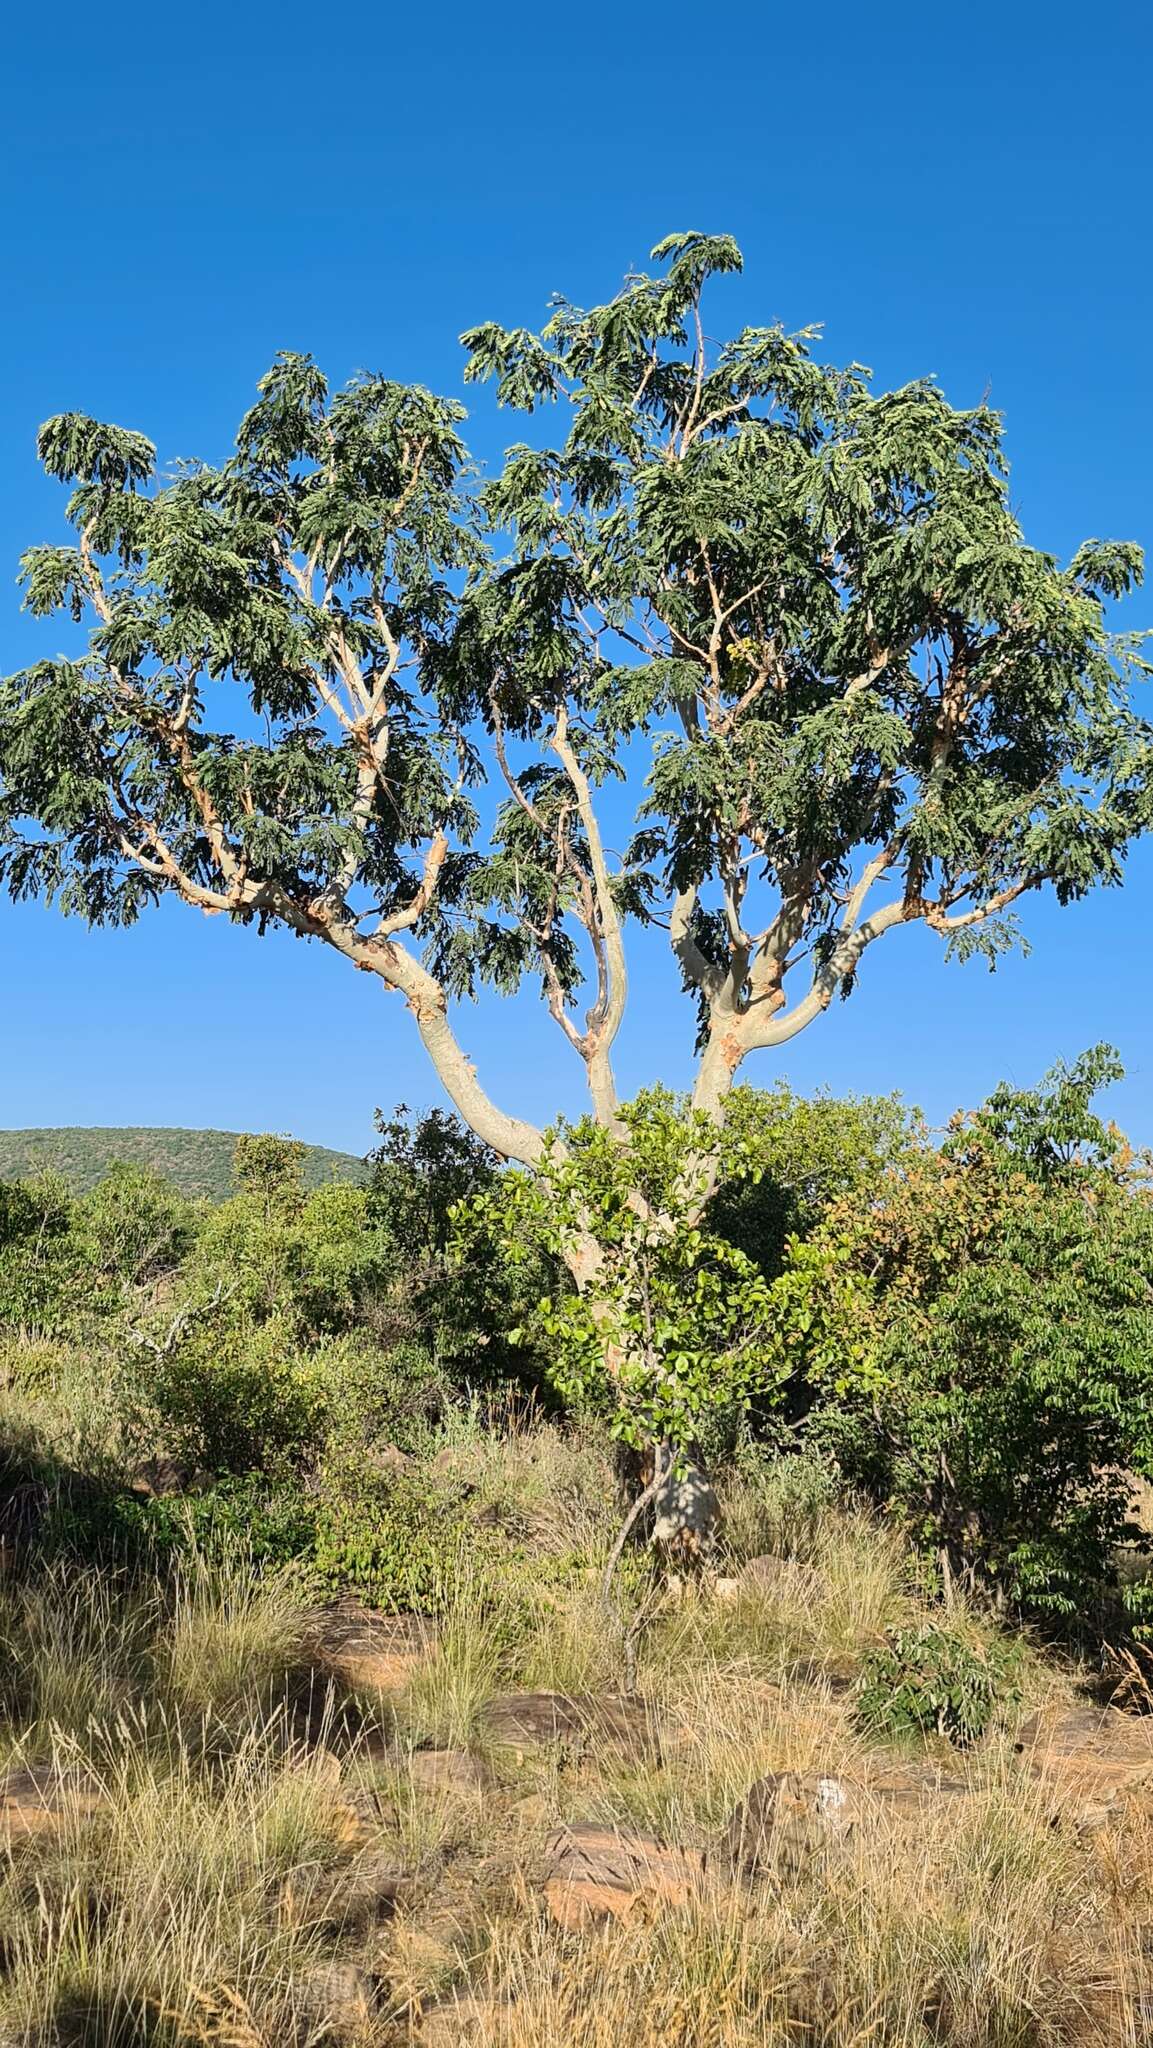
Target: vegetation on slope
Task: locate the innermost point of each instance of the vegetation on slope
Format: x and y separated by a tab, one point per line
199	1163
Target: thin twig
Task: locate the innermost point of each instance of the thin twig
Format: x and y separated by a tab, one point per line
660	1471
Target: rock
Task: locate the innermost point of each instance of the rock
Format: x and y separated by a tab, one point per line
686	1514
786	1819
909	1788
371	1652
348	1900
596	1873
156	1478
447	1770
464	2017
1092	1760
790	1817
527	1721
530	1812
37	1799
359	1813
345	1999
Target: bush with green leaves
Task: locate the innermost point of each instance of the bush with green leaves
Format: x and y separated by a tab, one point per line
979	1340
671	1334
811	1152
134	1228
70	1262
263	1347
396	1536
752	654
937	1679
40	1263
461	1292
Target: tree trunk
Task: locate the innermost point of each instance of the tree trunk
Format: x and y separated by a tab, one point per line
684	1517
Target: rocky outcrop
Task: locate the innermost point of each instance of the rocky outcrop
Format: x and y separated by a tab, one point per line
370	1652
39	1799
788	1819
596	1873
524	1722
1091	1761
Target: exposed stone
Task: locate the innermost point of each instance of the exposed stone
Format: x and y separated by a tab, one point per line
909	1787
1093	1761
350	1899
786	1819
345	1999
37	1799
359	1813
595	1873
464	2017
157	1478
447	1770
790	1817
530	1812
686	1513
527	1721
371	1652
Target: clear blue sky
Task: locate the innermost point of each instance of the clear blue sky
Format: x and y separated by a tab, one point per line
964	191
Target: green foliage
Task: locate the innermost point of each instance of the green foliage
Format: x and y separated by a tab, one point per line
811	1152
40	1264
674	1323
70	1261
980	1339
270	1168
797	617
268	1525
420	1171
462	1292
937	1680
133	1227
392	1535
239	1398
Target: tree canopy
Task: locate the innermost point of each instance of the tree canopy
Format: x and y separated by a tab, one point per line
342	684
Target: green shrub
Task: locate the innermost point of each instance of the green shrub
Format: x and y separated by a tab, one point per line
392	1536
268	1526
236	1398
41	1266
937	1680
133	1227
979	1342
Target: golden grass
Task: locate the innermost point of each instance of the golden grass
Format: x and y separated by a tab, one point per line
171	1916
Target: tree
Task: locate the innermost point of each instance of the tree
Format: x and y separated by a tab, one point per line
458	1286
269	1168
337	686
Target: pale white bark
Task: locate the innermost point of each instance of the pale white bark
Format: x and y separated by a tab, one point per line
607	1014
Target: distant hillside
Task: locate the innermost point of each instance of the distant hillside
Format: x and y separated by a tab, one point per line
198	1162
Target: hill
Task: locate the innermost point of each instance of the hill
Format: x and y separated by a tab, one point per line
198	1162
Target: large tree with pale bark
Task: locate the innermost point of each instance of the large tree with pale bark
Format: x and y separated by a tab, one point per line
744	650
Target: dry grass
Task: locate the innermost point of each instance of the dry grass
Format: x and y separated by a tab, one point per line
120	1927
231	1643
171	1915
